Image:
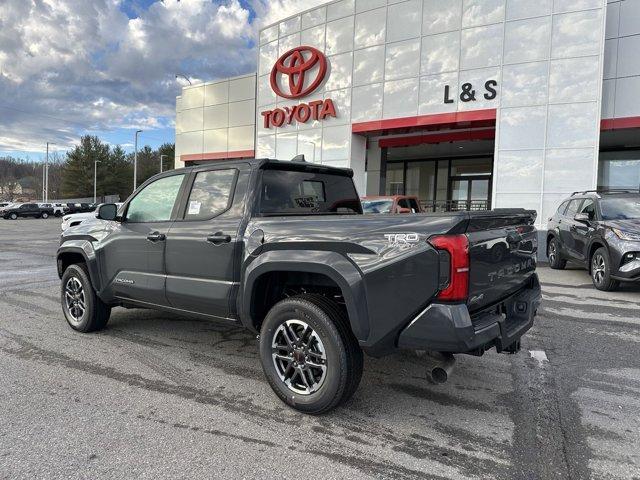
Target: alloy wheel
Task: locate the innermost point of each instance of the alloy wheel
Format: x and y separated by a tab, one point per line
598	268
299	357
75	300
553	252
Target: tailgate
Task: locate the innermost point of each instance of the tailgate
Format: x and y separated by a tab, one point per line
502	254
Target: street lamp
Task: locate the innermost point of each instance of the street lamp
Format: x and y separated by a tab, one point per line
161	157
45	177
183	76
95	181
135	163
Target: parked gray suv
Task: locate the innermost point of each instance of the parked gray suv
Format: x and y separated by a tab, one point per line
600	230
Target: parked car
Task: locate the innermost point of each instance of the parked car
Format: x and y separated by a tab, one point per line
76	219
391	204
27	210
282	248
601	231
58	208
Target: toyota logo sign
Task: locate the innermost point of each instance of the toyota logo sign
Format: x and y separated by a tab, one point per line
295	64
296	74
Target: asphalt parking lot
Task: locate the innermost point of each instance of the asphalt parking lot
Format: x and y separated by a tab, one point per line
157	396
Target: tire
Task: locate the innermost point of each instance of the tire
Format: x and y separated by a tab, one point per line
601	271
95	314
323	388
556	261
44	215
13	216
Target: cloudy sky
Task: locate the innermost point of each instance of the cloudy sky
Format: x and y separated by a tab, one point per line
107	67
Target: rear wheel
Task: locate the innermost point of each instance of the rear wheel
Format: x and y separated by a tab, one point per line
601	271
82	308
309	354
44	215
553	254
13	216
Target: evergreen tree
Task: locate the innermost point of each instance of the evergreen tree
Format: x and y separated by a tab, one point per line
77	178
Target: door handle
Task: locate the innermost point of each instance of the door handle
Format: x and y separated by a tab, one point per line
156	237
218	238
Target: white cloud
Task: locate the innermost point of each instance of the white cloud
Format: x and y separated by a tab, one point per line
68	66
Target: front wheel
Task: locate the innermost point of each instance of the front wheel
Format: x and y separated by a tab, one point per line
44	215
309	354
553	254
82	308
13	216
601	271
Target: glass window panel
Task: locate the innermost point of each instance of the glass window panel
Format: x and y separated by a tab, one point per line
519	172
619	169
440	53
268	57
286	146
362	5
368	65
522	128
421	181
482	12
313	37
527	40
471	166
432	93
340	9
154	203
339	36
402	60
371	28
577	34
439	16
443	182
314	17
528	8
573	125
478	78
481	47
269	34
336	143
395	179
211	194
289	26
574	80
563	164
341	69
287	43
366	103
404	21
310	145
480	190
401	98
524	84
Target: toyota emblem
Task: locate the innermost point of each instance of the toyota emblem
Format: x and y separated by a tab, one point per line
296	64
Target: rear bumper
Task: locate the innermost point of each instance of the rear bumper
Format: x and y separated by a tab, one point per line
450	328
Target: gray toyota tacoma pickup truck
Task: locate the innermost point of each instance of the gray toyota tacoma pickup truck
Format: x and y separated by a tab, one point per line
284	249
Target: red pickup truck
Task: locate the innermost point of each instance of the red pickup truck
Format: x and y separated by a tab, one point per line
391	204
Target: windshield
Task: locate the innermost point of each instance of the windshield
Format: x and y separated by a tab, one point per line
622	208
307	193
377	206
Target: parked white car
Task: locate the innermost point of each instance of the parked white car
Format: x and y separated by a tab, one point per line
58	208
76	219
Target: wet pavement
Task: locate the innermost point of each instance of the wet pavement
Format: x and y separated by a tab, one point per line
156	395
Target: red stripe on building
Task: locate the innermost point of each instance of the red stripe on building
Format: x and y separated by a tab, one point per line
619	123
484	134
218	155
453	120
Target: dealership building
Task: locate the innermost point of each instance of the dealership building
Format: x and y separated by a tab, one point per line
466	104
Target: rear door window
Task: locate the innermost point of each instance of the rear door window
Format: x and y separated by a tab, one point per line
211	194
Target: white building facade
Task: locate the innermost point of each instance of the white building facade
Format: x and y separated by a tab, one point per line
467	104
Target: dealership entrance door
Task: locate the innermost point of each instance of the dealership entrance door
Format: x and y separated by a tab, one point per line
445	177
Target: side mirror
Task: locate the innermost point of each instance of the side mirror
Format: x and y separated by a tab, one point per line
107	211
404	210
582	218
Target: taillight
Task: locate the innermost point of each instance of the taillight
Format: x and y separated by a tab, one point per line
458	248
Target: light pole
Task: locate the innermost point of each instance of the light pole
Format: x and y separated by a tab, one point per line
161	157
45	182
183	76
95	181
135	163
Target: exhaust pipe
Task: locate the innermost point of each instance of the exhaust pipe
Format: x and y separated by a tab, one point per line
440	372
